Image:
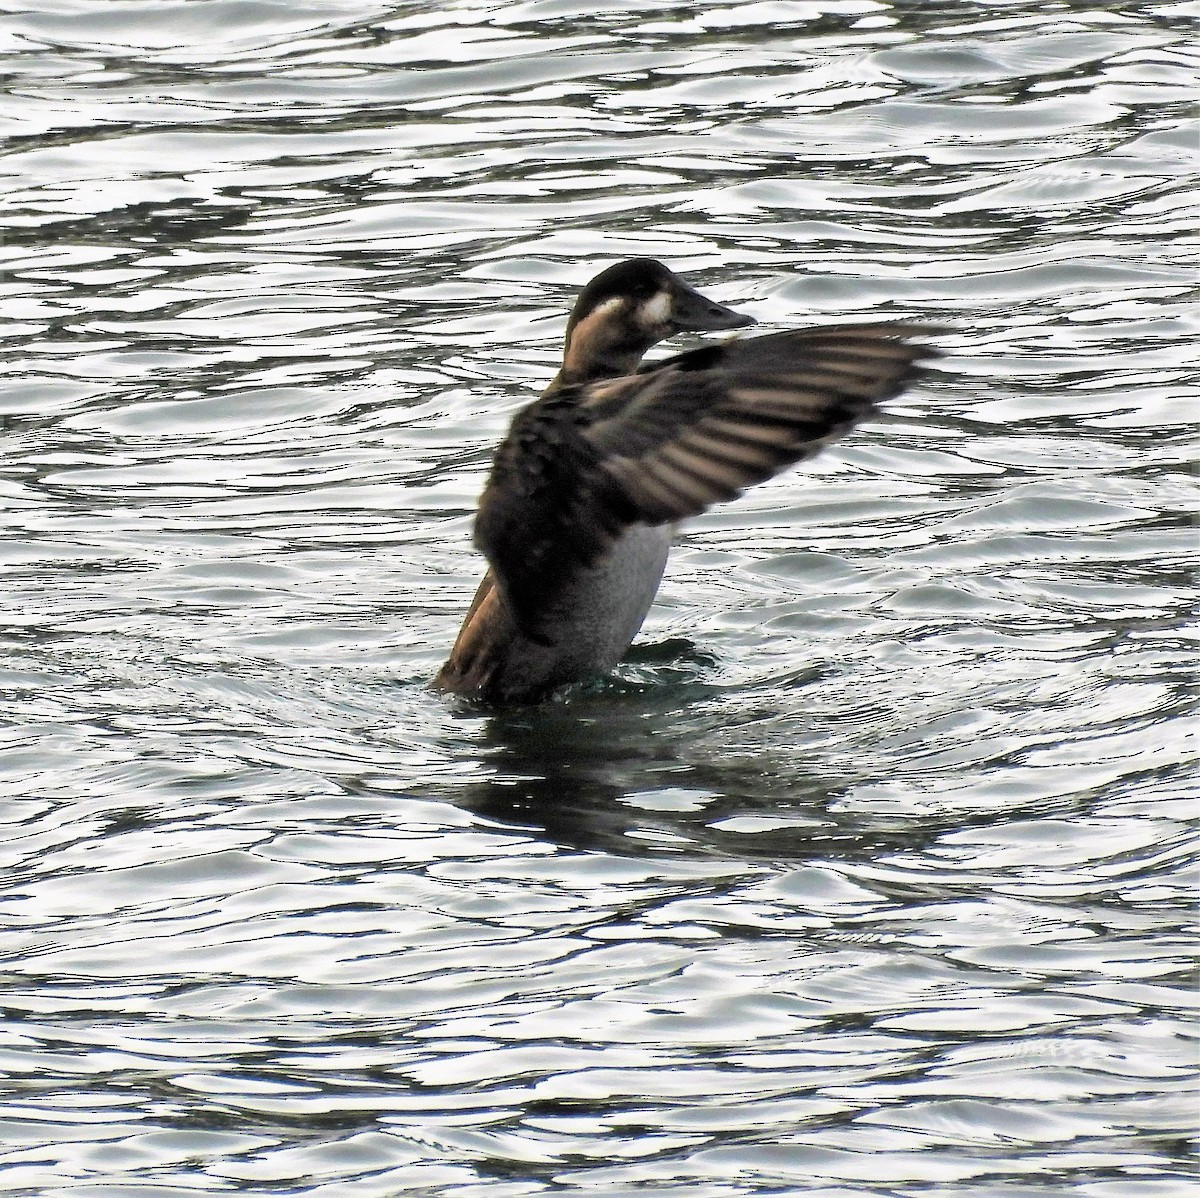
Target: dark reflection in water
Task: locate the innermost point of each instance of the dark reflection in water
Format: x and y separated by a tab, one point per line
609	774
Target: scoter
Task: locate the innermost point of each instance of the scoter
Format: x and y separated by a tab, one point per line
577	516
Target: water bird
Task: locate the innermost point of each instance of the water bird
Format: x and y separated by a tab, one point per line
577	516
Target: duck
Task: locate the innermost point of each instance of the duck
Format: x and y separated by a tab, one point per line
578	513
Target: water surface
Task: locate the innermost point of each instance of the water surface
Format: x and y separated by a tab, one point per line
868	873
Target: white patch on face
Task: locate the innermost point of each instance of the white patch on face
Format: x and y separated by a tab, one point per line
609	305
654	312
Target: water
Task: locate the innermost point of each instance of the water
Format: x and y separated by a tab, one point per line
868	874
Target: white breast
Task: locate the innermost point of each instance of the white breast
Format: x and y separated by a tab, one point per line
607	604
598	614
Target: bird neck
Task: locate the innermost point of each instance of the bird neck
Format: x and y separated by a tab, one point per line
601	348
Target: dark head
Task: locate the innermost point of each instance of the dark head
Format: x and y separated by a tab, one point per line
628	308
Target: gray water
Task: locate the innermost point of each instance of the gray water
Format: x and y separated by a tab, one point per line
866	875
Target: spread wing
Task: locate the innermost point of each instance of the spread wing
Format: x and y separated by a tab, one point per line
582	465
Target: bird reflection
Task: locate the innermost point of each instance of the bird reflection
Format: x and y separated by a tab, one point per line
586	770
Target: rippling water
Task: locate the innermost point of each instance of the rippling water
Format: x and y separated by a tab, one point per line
867	874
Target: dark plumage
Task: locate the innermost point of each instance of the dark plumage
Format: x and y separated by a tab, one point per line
575	518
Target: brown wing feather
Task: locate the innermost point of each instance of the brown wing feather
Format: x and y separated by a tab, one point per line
702	427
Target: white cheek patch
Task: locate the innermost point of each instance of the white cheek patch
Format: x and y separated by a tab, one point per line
654	311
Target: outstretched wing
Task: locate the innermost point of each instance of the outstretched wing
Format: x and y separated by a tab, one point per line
579	467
